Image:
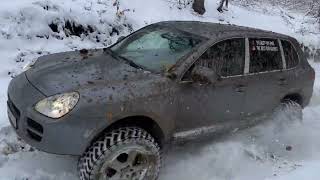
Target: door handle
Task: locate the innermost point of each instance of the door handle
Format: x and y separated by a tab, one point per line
282	81
240	88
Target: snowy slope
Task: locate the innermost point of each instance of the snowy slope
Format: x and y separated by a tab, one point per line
257	153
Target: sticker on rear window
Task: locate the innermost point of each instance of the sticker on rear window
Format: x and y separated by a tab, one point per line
262	45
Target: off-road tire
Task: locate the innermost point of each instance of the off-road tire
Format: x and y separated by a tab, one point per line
90	162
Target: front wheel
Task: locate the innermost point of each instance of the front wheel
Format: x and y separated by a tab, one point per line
128	153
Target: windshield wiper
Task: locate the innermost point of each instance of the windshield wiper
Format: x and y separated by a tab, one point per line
131	63
117	56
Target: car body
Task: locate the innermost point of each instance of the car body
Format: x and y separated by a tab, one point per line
180	98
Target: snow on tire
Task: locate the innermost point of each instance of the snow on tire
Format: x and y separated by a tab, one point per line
288	113
124	153
292	110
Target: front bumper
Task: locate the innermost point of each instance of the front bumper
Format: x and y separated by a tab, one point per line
59	137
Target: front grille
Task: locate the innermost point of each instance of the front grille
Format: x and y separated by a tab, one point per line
34	135
34	129
34	125
15	111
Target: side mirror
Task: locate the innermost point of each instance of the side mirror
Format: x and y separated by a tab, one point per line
204	75
171	75
120	38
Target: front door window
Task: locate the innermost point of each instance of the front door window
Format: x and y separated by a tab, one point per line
225	58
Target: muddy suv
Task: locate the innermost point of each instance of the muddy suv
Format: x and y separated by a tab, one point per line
117	107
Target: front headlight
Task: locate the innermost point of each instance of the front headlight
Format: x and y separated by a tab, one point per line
58	105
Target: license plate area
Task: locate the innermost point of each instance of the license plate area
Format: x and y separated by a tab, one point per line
12	119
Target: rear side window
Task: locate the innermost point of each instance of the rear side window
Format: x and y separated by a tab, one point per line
226	58
265	55
290	54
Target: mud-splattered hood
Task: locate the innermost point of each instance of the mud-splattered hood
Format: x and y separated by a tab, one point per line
71	71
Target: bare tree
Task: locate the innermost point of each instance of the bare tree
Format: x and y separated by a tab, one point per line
198	6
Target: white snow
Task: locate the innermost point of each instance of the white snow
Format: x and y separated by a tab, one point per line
257	153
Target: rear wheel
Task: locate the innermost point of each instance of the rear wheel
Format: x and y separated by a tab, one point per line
128	153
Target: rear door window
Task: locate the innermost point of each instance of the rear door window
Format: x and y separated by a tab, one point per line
290	54
265	55
226	58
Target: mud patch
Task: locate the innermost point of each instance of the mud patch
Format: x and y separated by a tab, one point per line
68	28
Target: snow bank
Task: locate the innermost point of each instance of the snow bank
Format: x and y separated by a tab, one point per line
262	152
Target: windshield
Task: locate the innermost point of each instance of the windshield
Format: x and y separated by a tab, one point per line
156	49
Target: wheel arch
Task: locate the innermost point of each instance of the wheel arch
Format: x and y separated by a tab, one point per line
144	122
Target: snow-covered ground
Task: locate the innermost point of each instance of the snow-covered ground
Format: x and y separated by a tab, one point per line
256	153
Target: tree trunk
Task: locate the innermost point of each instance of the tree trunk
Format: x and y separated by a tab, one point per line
198	6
